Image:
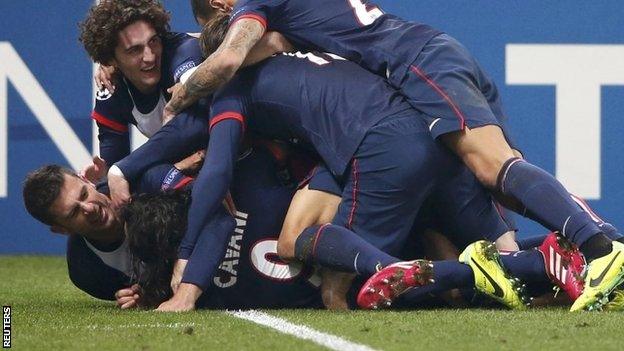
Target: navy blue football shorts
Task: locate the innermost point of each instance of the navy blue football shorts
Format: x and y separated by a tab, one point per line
396	170
446	83
321	179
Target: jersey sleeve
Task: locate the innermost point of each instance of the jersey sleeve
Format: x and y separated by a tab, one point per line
185	134
162	177
90	274
186	59
259	10
112	116
212	183
210	250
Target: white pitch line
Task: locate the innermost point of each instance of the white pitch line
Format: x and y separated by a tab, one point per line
332	342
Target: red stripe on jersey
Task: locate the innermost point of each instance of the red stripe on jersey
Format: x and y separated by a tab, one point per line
228	115
183	183
116	126
252	16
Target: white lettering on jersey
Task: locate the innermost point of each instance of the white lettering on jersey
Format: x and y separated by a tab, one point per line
276	269
229	265
313	57
363	14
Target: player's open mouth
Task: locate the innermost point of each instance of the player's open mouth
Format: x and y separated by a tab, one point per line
152	69
101	217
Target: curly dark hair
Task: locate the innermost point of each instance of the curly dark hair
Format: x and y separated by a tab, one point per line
155	226
98	32
41	188
214	33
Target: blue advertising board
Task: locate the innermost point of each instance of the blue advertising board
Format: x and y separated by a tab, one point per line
559	66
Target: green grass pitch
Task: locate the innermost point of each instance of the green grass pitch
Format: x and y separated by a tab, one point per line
48	313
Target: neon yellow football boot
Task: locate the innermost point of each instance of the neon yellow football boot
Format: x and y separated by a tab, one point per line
491	278
604	274
616	301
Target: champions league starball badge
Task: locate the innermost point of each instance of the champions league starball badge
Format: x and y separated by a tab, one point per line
103	94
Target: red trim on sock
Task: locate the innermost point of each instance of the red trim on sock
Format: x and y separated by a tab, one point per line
586	208
317	236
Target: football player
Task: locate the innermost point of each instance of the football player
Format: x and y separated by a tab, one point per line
439	77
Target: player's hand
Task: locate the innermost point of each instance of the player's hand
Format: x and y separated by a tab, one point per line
176	276
119	187
176	104
191	165
104	76
128	297
183	300
94	171
228	202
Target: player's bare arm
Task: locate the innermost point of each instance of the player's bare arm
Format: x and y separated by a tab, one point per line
271	43
219	67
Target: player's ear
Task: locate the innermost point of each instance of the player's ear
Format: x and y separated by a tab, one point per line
113	63
57	229
221	5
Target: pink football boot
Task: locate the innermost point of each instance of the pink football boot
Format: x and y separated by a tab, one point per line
390	282
565	265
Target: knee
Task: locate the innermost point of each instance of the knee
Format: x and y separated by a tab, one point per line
487	166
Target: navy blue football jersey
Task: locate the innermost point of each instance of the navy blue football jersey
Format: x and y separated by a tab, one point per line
306	98
355	29
251	275
314	99
115	112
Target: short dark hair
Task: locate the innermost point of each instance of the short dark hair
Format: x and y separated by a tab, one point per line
201	9
99	31
214	33
41	188
155	226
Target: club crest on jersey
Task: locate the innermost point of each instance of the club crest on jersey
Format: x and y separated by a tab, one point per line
103	94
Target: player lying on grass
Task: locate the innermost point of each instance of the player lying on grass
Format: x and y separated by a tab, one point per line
439	77
98	260
102	269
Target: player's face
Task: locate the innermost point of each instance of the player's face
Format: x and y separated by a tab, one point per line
138	56
81	209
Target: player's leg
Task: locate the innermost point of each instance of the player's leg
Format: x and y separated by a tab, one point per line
442	83
309	207
461	105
